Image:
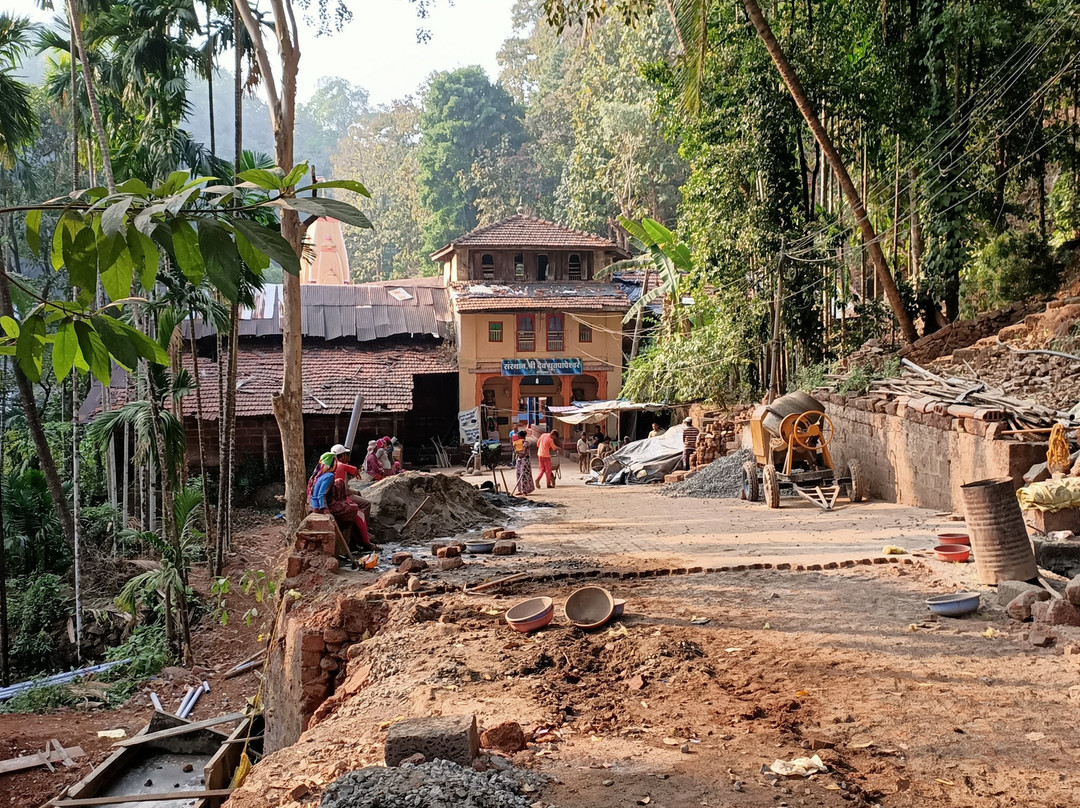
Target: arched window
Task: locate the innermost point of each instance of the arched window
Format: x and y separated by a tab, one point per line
575	266
487	267
519	267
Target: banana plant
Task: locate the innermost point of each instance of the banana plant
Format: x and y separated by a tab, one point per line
664	254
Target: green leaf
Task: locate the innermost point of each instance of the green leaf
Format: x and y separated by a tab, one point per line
93	351
269	242
134	186
257	261
116	266
660	234
31	346
10	326
222	260
636	230
262	178
680	256
33	231
127	344
331	208
63	237
112	220
81	260
294	176
176	180
186	251
65	348
144	257
348	185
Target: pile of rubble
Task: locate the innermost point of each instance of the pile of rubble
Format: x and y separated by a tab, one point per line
415	508
438	784
723	478
1047	612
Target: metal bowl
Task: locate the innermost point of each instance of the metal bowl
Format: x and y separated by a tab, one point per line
954	605
485	546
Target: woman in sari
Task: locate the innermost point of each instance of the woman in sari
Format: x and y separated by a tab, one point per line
525	485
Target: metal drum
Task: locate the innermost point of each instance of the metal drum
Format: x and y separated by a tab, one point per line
999	539
792	404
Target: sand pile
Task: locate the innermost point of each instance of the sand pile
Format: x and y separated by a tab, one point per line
453	506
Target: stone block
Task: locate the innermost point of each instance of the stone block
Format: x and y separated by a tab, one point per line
504	535
450	563
400	558
1072	591
493	532
504	548
294	566
1019	608
392	580
412	565
452	738
335	636
449	552
436	546
312	642
1061	557
1008	591
506	737
1055	613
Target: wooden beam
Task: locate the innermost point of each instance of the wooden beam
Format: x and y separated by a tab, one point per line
184	730
39	759
163	796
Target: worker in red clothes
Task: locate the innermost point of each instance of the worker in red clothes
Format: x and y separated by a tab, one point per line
343	471
544	448
328	495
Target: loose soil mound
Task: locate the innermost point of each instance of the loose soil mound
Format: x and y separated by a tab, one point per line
453	506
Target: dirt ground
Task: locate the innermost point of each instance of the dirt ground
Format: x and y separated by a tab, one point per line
742	668
216	649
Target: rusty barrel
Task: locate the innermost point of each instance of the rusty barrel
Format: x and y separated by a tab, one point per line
999	540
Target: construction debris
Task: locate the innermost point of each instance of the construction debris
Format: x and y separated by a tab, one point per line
723	478
438	784
450	506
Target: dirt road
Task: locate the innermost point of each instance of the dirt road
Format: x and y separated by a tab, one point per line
904	710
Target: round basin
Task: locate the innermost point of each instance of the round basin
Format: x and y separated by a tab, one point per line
531	614
954	605
590	607
485	546
954	538
952	552
620	607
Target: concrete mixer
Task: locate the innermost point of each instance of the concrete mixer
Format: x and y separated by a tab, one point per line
791	440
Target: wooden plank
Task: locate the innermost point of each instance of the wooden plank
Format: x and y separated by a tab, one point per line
171	733
160	797
39	759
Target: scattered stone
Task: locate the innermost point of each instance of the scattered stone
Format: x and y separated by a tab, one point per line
400	558
148	783
435	784
1060	535
821	743
608	783
448	552
1007	591
504	535
187	767
392	580
436	546
636	682
413	760
450	563
479	765
723	478
1040	639
504	547
335	636
492	533
685	749
1072	591
500	764
414	584
1019	608
412	565
452	738
1055	613
299	791
506	737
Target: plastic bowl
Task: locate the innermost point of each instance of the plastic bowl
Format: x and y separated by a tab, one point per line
952	552
485	546
590	607
954	538
955	605
620	607
531	614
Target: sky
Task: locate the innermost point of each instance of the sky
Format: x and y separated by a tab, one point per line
378	49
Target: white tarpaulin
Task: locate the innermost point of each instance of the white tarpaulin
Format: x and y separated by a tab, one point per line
469	425
596	412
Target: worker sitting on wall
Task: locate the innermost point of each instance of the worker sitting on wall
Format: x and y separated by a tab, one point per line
343	471
328	497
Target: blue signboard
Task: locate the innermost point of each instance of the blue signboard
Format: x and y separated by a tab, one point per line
541	367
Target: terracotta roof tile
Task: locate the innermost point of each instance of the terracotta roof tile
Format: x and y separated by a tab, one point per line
565	296
520	230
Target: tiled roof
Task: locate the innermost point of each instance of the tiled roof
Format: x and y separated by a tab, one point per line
520	230
333	375
566	296
363	311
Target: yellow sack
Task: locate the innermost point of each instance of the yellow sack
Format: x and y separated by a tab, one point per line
1050	496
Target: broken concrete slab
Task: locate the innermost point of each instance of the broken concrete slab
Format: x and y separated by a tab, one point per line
1008	591
1061	557
452	738
1072	591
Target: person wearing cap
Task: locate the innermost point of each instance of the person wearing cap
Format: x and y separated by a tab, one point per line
327	497
342	472
689	442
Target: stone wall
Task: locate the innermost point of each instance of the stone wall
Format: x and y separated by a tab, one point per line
922	459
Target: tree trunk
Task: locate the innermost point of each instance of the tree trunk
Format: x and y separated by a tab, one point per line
5	672
907	327
37	432
202	443
230	416
219	547
238	93
75	511
210	78
91	96
74	98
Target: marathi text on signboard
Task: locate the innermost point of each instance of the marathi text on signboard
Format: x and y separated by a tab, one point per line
469	425
541	367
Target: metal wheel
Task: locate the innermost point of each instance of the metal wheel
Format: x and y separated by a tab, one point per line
857	489
750	488
770	481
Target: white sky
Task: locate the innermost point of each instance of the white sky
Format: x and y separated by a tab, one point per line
378	50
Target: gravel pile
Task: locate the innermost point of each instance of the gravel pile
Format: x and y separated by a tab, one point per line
723	478
437	784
